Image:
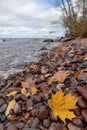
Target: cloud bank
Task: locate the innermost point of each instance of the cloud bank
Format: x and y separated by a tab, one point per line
29	18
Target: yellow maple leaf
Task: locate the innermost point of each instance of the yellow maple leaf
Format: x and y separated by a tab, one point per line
11	93
24	91
61	105
34	90
60	76
10	106
78	73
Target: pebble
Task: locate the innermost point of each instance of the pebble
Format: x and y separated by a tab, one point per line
17	108
38	105
82	102
46	123
37	99
77	121
1	127
84	114
35	123
43	113
29	104
29	129
3	118
3	108
73	127
12	127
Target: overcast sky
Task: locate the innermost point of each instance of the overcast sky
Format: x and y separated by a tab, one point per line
29	18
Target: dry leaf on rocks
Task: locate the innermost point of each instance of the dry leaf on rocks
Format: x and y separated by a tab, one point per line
10	106
61	105
11	93
24	91
60	76
78	73
34	90
64	48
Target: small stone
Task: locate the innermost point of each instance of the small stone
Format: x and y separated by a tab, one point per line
12	127
46	123
38	105
77	121
35	123
29	129
54	127
17	108
43	113
59	86
82	102
3	107
1	127
19	125
84	114
29	104
73	127
34	112
3	118
37	99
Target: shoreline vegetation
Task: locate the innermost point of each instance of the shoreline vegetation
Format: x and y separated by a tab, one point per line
24	96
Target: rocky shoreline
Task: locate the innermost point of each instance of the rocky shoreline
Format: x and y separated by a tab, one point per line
31	110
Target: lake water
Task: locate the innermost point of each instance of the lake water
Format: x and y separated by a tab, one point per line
15	52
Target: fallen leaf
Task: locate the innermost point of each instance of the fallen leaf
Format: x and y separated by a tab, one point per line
34	90
10	106
60	76
78	73
59	55
61	105
11	93
24	91
28	84
26	115
64	48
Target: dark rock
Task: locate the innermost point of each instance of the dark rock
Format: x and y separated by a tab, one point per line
82	102
14	89
66	39
34	112
43	48
3	118
3	108
37	99
43	113
35	123
19	125
12	127
46	123
48	40
38	105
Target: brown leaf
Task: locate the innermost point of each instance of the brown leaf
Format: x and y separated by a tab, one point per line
64	48
24	91
60	76
10	106
78	73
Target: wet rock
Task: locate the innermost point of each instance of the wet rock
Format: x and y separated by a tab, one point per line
12	127
14	89
3	118
82	102
35	123
73	127
46	89
3	108
1	127
17	108
17	96
46	123
17	84
82	91
84	114
83	77
43	113
19	125
54	127
52	117
60	85
74	83
77	121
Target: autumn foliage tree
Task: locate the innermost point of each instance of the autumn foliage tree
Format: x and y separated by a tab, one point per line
75	17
